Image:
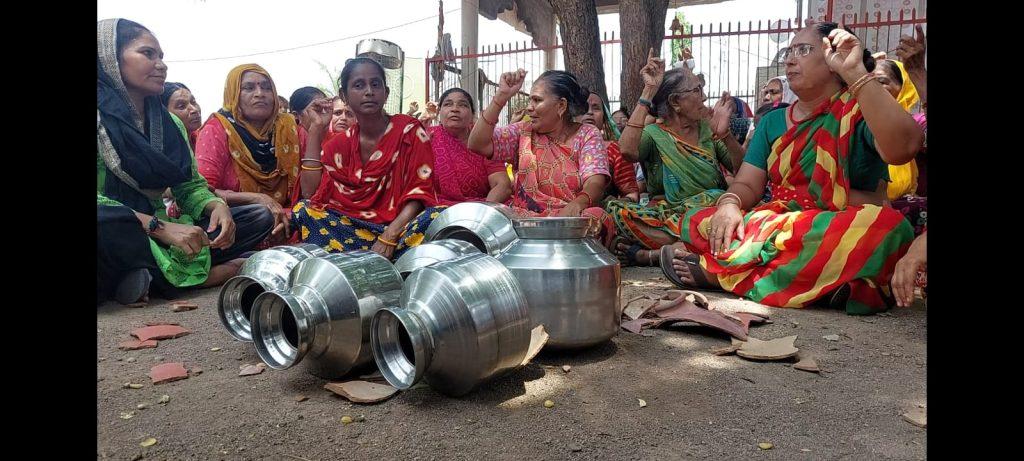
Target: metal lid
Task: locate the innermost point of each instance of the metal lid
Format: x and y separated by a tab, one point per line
388	54
554	227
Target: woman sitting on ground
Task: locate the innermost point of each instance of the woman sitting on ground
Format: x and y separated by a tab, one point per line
143	151
623	172
826	234
681	154
249	151
561	165
892	76
373	187
915	206
460	175
907	189
178	100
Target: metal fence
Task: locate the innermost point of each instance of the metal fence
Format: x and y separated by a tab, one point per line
735	57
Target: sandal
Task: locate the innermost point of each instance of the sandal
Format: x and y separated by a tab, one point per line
693	260
631	256
837	298
631	252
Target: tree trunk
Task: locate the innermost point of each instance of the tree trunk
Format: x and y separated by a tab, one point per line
582	42
642	23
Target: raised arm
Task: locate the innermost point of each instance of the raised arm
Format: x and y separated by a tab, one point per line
652	73
482	136
897	136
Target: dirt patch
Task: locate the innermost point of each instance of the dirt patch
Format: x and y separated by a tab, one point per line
698	404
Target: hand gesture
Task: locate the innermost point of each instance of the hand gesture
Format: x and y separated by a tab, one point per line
844	54
318	113
510	82
654	71
911	50
722	115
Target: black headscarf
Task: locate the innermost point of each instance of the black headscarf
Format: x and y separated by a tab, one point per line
169	89
144	160
302	97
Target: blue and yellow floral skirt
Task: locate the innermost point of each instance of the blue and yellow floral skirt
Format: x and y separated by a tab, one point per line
336	232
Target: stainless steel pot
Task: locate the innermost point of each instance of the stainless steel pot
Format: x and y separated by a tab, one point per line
462	322
429	253
323	320
488	226
571	281
266	270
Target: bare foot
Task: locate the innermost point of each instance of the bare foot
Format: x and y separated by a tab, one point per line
643	257
222	272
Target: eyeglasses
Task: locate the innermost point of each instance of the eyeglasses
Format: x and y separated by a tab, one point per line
798	51
697	89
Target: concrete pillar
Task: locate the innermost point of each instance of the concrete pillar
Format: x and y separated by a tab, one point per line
470	17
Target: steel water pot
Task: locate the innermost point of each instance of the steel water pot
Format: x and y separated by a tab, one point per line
266	270
429	253
461	322
323	319
571	281
488	226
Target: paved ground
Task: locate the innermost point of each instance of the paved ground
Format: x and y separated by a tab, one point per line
698	405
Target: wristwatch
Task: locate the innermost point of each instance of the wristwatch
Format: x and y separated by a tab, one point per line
154	224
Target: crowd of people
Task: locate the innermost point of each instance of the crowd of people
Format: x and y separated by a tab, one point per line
815	197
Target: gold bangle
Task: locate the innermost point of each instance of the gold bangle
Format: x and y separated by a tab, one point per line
311	160
635	125
381	239
855	88
860	80
739	201
854	92
482	117
309	168
590	200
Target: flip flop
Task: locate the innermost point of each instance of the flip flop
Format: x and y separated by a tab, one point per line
693	260
839	297
631	252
